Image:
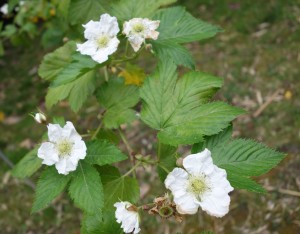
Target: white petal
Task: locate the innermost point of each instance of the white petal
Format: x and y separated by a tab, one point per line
70	132
100	57
136	42
186	204
129	219
216	201
79	150
92	30
61	166
54	132
48	153
199	164
87	48
109	25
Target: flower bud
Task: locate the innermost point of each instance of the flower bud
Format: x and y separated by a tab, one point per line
40	118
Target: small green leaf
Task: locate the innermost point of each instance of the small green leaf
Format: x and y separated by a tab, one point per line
28	165
59	120
102	152
49	186
167	160
86	189
118	98
53	63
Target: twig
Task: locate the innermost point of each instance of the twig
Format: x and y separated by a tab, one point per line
284	191
11	165
268	102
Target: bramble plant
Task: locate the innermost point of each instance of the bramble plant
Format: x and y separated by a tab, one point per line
178	108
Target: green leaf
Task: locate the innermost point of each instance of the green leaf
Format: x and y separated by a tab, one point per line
118	98
246	157
102	152
92	224
79	66
128	9
28	165
86	189
53	63
63	8
49	186
117	187
76	91
108	135
178	26
167	160
170	50
243	182
179	109
59	120
217	140
81	11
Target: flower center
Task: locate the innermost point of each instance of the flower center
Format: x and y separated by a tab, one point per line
102	41
197	185
138	28
64	148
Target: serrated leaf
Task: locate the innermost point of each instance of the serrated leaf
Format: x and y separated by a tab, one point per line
179	109
167	160
117	187
243	182
76	91
81	11
102	152
53	63
178	26
28	165
246	157
118	98
49	186
86	189
79	66
179	54
128	9
217	140
92	224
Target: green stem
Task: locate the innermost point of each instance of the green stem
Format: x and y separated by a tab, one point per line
105	73
126	48
164	168
132	169
97	131
158	151
128	147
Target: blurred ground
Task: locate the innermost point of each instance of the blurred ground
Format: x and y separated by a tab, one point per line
258	54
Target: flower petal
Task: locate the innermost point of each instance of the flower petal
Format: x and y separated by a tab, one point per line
48	153
87	48
109	25
186	204
54	132
61	166
199	164
79	150
92	30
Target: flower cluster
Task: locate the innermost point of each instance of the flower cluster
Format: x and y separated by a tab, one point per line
102	38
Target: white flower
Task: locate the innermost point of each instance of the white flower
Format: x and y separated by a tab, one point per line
40	118
64	150
101	38
126	214
200	184
138	29
4	9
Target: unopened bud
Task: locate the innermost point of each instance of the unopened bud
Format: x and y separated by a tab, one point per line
40	118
